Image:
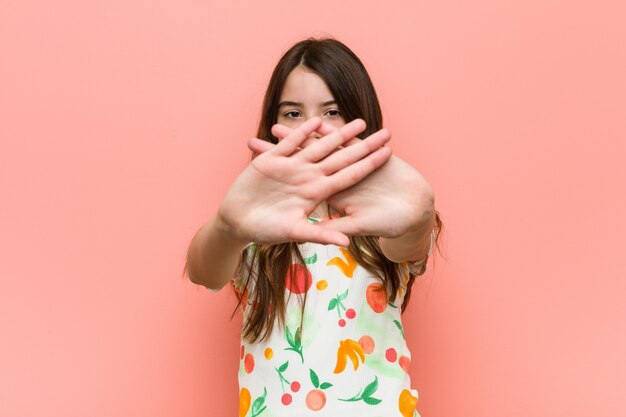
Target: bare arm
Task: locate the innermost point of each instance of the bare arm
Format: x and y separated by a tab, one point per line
410	247
270	200
413	245
213	254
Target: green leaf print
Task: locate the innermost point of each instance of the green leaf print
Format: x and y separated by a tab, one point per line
335	303
365	395
311	260
371	401
370	389
399	326
295	345
280	371
316	381
258	406
298	339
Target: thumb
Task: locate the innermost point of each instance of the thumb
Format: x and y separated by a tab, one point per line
314	233
346	225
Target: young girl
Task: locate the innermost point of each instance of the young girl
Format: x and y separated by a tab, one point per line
321	237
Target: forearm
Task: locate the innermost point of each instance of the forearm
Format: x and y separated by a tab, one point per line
414	244
213	255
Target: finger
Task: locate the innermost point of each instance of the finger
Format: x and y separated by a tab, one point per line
329	143
293	140
259	146
346	225
354	173
351	154
281	131
310	141
313	233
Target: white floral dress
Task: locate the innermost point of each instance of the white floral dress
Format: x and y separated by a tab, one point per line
351	358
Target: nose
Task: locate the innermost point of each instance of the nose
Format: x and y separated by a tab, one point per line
314	135
311	139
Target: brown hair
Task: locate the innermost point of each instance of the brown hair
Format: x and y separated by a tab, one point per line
269	264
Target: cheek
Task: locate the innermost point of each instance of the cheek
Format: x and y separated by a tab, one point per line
291	123
337	123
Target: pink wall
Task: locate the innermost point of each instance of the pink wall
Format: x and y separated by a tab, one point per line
123	123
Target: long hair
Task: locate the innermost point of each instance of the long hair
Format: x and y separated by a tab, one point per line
269	264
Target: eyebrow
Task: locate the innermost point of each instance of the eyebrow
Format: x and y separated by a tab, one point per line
296	104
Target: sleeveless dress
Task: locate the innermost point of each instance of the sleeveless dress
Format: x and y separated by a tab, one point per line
350	359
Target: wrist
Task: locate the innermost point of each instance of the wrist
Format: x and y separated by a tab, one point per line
413	245
228	231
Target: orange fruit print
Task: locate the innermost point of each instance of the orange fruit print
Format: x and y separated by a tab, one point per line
367	343
248	363
405	363
244	402
407	403
376	297
348	266
315	400
348	349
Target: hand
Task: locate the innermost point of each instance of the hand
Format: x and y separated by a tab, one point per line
270	200
390	202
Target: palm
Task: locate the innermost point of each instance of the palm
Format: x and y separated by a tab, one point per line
386	203
269	201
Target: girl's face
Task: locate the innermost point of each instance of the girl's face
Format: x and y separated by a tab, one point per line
306	95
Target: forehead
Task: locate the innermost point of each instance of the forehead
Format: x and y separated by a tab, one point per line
303	85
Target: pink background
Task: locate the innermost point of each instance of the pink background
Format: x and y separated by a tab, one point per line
123	123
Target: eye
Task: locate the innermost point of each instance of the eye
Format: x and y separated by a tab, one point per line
333	113
291	114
